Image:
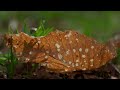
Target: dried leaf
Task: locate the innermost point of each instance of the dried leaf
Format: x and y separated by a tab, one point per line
62	51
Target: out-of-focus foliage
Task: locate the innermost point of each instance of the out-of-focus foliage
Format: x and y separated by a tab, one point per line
117	59
98	24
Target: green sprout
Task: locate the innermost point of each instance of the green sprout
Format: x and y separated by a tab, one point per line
25	29
9	61
42	31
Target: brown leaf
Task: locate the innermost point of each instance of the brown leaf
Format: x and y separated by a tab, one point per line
62	51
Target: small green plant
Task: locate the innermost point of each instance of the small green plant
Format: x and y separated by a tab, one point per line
25	29
3	59
9	61
42	31
12	61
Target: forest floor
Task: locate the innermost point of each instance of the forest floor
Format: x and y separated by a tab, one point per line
25	71
106	72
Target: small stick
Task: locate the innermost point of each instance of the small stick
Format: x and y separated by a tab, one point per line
114	67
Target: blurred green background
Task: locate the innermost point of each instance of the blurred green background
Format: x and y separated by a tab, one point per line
97	24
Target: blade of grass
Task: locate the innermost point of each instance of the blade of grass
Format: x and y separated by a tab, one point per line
11	63
42	31
25	28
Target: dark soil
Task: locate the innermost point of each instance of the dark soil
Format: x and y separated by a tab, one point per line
26	71
105	72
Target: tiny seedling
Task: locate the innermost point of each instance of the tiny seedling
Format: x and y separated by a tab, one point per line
25	29
42	31
9	61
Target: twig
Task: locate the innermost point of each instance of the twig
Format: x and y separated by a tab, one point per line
115	67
